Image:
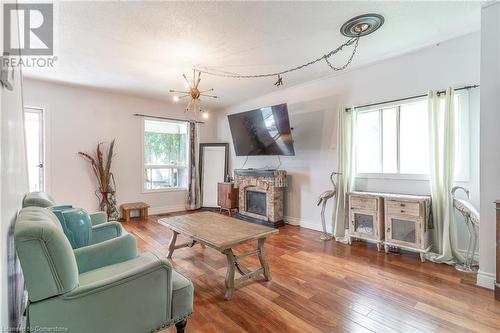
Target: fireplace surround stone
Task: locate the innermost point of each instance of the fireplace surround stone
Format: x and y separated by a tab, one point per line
272	183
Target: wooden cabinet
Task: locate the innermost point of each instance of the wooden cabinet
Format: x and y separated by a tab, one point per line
227	197
366	217
396	220
407	222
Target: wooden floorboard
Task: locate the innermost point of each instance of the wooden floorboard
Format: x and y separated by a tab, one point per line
326	287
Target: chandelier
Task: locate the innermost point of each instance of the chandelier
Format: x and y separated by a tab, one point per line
193	92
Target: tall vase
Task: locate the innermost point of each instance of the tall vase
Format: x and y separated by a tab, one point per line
103	204
107	203
112	211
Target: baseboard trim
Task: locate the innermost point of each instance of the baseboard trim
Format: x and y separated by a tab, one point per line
485	279
306	224
464	253
166	209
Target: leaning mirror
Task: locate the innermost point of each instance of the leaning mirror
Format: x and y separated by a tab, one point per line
214	159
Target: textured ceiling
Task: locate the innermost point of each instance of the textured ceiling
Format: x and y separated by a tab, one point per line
143	47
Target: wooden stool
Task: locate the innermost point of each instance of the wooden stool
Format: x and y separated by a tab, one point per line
142	207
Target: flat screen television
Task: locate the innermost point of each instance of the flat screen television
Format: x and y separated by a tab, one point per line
264	131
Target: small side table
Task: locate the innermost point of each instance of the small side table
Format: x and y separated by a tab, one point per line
227	197
142	207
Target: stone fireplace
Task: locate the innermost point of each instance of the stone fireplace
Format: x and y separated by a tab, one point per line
261	195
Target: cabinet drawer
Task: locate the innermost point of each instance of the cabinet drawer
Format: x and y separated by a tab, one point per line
363	203
403	208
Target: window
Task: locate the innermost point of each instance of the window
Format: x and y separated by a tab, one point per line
165	155
34	134
394	139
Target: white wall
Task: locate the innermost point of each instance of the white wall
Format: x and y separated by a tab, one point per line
490	139
77	119
13	185
313	112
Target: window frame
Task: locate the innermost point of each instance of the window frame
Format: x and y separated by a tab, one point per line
398	175
158	166
43	143
463	117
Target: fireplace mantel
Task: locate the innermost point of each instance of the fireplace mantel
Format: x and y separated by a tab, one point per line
270	182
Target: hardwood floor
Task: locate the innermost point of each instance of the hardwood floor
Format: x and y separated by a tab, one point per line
326	287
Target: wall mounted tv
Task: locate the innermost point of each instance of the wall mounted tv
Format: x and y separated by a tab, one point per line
264	131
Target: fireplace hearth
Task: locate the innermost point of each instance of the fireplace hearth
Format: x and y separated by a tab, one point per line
261	195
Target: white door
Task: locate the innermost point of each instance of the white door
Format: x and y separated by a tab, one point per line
214	160
33	125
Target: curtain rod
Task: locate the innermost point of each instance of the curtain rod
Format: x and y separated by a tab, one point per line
167	118
411	97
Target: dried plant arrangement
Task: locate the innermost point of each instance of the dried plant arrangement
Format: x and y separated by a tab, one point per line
101	167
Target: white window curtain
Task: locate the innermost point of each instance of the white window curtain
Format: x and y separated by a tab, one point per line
345	166
442	169
193	198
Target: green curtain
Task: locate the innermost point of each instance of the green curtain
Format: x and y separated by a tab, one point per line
345	166
442	158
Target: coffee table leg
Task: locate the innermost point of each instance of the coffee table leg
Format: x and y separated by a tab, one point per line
171	245
263	259
229	274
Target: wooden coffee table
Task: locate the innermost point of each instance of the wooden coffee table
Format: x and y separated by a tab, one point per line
222	233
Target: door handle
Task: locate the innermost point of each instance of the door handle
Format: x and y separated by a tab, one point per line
39	165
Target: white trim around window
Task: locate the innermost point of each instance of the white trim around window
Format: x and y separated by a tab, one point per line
393	176
143	165
462	153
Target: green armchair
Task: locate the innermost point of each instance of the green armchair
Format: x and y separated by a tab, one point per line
45	200
103	287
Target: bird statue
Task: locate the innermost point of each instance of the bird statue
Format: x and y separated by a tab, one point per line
323	200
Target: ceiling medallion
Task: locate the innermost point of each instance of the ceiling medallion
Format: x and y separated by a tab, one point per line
194	93
362	25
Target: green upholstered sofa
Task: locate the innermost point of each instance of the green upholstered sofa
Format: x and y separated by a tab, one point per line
43	199
103	287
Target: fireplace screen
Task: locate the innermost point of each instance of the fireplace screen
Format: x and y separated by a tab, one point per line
256	202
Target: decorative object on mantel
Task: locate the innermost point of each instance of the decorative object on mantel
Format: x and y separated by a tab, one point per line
193	92
323	200
355	28
261	195
471	218
105	178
